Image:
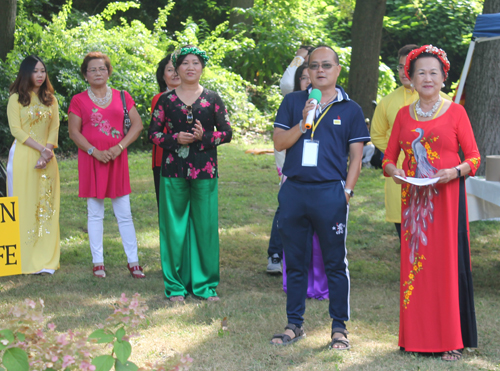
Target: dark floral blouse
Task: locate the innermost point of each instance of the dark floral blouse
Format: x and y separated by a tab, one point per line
197	160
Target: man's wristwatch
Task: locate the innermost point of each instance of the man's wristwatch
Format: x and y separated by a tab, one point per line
349	192
90	151
459	173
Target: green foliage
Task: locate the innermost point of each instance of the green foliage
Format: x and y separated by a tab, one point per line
134	52
275	37
447	24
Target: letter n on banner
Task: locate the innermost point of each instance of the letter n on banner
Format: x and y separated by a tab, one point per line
10	238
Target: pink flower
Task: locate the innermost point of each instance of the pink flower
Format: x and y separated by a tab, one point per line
86	366
172	97
61	339
30	303
161	114
209	168
96	117
184	110
51	326
204	103
123	298
67	360
217	107
105	126
174	137
54	358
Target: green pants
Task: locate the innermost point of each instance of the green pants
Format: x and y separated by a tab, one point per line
189	236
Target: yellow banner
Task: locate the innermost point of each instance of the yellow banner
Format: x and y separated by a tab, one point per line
10	238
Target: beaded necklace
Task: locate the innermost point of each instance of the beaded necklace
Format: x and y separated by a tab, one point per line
100	101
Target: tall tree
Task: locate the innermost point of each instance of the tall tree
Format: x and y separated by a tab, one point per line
7	26
235	18
366	35
483	93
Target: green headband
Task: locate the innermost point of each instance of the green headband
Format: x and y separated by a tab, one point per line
189	50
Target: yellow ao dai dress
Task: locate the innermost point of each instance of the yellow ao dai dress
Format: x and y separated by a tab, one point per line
38	190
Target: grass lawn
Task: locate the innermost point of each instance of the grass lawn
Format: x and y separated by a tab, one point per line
252	300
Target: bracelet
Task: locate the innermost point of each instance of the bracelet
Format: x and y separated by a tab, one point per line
303	131
459	172
43	150
121	147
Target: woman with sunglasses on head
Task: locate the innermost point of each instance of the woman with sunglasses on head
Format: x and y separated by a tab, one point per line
167	80
189	123
96	125
32	172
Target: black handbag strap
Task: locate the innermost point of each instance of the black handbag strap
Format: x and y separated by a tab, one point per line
122	94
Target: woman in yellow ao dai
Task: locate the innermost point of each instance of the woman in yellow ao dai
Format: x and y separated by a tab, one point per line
32	172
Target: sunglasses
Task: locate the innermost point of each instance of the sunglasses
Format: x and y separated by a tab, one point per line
190	114
325	66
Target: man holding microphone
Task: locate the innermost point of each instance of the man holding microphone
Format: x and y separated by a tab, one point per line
318	189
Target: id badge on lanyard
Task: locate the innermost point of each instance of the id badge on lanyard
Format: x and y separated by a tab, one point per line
311	147
310	153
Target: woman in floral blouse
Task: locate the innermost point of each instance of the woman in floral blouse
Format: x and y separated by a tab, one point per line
195	122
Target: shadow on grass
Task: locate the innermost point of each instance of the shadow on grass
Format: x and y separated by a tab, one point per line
252	300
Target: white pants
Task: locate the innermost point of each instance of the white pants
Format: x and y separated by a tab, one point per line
368	151
121	207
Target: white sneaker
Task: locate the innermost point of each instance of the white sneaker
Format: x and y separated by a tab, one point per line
274	264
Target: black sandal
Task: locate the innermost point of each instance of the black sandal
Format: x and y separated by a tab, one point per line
456	354
286	339
339	340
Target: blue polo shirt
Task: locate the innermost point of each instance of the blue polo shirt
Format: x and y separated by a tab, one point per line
343	124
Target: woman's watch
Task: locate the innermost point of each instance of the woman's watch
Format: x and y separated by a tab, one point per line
459	172
349	192
90	151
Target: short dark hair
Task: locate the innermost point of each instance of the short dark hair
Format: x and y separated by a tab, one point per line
335	57
23	85
95	55
160	71
181	58
425	55
405	50
298	75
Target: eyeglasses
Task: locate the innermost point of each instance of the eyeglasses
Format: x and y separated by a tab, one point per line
325	66
190	114
303	78
100	69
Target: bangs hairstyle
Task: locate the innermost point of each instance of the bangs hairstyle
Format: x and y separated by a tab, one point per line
95	55
298	75
425	55
181	58
24	86
160	71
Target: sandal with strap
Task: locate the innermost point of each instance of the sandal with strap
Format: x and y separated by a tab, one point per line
99	268
136	271
340	340
452	355
286	339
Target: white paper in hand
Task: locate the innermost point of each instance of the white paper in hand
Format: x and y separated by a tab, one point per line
419	181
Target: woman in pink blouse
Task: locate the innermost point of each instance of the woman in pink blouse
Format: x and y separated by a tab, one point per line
96	126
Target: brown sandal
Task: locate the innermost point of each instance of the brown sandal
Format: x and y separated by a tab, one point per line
340	340
286	339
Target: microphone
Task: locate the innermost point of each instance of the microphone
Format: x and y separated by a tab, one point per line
316	97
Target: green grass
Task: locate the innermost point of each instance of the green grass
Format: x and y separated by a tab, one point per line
252	300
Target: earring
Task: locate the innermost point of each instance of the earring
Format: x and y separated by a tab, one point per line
411	85
443	85
85	79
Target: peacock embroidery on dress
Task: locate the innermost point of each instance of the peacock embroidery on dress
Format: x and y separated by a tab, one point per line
420	210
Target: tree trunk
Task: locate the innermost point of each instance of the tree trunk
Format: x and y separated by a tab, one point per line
366	35
483	94
7	26
235	18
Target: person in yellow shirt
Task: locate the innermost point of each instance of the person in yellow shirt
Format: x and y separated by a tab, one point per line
381	127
